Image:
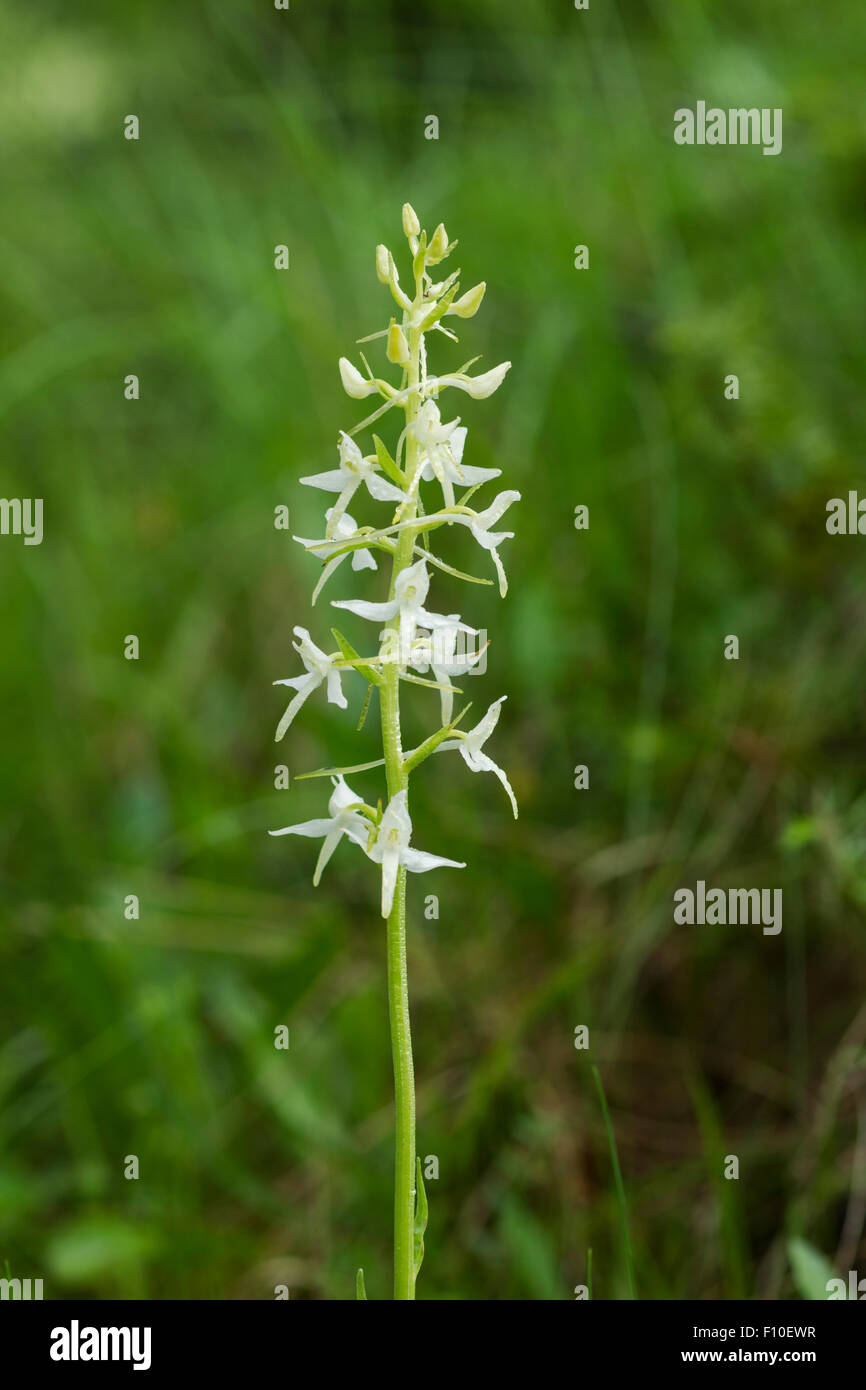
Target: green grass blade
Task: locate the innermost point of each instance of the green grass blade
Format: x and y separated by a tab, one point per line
620	1189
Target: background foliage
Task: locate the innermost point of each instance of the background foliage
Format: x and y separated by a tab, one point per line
156	777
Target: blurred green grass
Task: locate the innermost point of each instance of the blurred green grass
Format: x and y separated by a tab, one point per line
706	517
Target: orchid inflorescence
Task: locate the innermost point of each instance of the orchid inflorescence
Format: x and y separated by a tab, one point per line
413	639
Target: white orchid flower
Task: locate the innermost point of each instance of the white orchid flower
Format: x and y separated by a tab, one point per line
354	471
320	670
345	530
469	746
480	525
478	387
341	820
442	452
391	849
410	590
437	650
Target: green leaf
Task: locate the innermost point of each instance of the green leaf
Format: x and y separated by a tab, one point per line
345	645
387	464
421	1212
360	1291
430	744
812	1271
439	309
339	771
349	654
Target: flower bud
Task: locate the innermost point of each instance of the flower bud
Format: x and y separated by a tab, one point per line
383	264
397	349
353	383
469	303
438	245
411	225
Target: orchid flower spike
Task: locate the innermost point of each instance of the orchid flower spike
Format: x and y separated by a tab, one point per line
345	530
353	471
320	670
341	820
469	746
410	591
441	448
391	849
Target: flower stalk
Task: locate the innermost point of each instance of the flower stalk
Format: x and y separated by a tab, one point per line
397	779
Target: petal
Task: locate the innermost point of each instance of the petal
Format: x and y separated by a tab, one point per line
313	546
397	818
356	827
335	515
341	797
335	690
487	723
330	844
471	476
311	828
294	681
447	486
406	635
418	861
416	579
446	697
373	612
382	490
457	443
363	560
329	482
433	620
500	570
500	504
304	691
485	764
350	451
390	865
326	574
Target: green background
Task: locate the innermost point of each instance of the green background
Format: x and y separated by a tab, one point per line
155	777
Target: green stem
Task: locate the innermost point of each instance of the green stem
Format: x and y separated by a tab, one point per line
398	986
